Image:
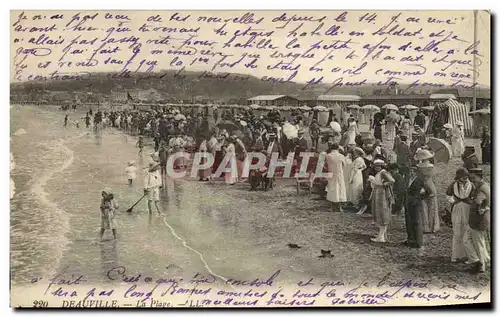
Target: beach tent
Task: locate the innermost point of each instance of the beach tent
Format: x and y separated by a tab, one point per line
480	118
450	111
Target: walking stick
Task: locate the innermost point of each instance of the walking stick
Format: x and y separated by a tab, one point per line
131	208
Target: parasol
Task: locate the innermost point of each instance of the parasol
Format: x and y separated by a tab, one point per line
442	150
179	117
228	125
390	107
290	131
393	117
255	106
356	107
320	108
305	108
335	126
238	133
370	108
409	107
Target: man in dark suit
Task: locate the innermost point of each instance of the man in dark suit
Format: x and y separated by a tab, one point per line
273	145
300	143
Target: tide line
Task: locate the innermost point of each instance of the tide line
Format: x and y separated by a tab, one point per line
186	245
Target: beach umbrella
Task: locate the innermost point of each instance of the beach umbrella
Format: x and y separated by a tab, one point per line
390	107
409	107
228	125
238	133
442	150
335	126
255	106
370	108
179	117
355	107
320	108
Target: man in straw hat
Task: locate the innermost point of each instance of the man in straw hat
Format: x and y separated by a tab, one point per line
479	220
152	183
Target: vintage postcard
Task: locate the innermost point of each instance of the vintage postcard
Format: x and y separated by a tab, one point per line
168	159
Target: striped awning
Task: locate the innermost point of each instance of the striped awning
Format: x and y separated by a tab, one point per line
459	112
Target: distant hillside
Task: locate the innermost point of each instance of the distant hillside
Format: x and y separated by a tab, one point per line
186	85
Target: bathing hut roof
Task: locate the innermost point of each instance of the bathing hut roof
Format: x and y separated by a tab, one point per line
443	96
339	98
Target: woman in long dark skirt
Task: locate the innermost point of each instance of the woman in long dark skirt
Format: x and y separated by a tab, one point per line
486	146
415	199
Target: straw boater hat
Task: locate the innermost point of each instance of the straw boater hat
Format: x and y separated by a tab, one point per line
301	131
448	126
476	171
423	155
378	163
130	163
460	123
425	165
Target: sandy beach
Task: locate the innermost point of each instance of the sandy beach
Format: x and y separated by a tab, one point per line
56	219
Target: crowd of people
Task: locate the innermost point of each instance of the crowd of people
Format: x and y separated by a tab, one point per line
365	176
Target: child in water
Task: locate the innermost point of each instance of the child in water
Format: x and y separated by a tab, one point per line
108	208
140	145
131	172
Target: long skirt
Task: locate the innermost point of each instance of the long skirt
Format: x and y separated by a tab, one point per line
108	219
381	206
336	192
460	223
457	146
355	189
430	215
413	221
486	154
204	173
478	238
217	160
391	132
377	133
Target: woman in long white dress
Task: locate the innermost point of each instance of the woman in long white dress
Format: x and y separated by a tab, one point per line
232	176
336	191
352	131
355	187
457	139
406	127
459	196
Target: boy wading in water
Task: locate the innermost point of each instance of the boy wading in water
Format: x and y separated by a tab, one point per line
108	207
152	183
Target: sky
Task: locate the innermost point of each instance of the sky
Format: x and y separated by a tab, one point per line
342	57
